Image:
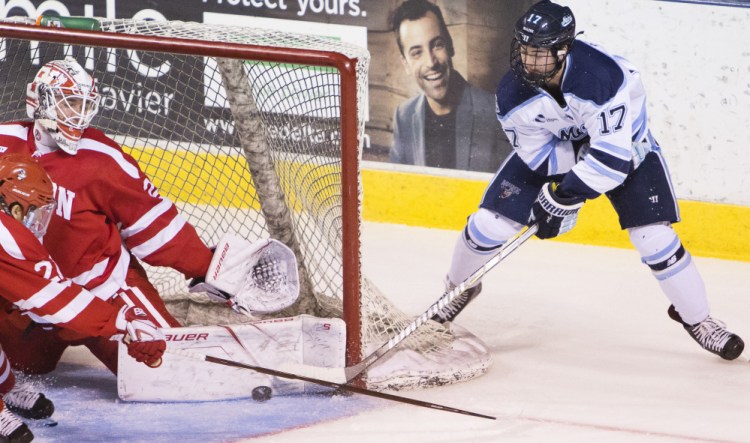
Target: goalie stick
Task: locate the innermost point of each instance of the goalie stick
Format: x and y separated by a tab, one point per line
335	386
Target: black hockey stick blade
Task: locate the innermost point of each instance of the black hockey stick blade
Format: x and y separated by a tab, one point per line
329	384
354	371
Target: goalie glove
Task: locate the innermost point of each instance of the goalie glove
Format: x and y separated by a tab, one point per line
144	340
252	279
553	214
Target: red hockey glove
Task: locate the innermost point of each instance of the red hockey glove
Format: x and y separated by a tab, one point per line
144	340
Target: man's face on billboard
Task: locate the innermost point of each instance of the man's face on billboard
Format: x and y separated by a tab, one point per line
426	55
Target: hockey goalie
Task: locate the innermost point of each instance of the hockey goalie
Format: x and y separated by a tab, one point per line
252	279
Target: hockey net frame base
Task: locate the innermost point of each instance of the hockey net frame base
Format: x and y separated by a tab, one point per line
304	192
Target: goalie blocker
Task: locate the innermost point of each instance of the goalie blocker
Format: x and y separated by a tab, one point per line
252	279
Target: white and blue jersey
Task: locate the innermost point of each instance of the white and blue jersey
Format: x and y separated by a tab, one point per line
605	101
597	142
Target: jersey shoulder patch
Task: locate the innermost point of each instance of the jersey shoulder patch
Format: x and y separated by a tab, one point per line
593	75
511	93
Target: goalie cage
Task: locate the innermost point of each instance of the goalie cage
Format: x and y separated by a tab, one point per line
256	131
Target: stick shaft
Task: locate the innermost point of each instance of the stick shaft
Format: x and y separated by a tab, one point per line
337	386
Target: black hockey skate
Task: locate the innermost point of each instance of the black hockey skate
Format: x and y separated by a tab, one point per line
712	335
457	305
24	401
12	429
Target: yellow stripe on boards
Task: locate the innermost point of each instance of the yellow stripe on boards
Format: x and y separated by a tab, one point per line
715	229
418	199
202	179
707	229
224	180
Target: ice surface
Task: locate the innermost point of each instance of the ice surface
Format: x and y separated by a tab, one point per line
583	352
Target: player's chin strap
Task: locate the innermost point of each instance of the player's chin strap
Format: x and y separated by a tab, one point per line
332	385
353	372
253	278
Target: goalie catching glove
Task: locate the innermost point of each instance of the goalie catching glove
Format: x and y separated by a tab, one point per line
554	214
145	341
252	279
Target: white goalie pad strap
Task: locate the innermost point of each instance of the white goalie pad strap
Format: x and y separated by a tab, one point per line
262	277
278	344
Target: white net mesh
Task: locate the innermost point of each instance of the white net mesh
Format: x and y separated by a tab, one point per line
252	147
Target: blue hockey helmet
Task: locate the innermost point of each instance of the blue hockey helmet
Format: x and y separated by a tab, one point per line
545	25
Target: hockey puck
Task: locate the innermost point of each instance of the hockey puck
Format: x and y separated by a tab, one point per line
261	393
42	423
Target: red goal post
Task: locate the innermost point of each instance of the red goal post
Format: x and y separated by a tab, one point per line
349	135
296	105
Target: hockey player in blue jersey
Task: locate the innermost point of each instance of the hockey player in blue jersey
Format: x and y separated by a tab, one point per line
576	117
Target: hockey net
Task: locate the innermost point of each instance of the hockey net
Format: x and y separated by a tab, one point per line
257	132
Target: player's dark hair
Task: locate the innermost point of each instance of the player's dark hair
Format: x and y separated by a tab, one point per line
414	10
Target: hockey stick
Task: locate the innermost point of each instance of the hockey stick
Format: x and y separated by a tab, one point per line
335	386
342	376
353	372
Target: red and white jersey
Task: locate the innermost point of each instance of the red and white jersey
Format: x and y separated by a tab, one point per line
106	207
31	280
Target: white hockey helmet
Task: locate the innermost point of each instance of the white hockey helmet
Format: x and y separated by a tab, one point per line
63	99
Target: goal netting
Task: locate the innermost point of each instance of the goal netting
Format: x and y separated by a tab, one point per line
257	132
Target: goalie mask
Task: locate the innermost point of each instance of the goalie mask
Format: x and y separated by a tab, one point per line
63	100
26	192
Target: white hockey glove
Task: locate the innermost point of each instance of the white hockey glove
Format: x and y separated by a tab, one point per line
553	214
145	341
251	278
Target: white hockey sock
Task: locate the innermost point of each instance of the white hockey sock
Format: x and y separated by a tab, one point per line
673	267
483	234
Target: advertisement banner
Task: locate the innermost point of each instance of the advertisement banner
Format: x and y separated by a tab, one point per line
407	120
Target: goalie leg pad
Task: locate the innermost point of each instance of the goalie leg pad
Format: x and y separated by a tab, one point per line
274	344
